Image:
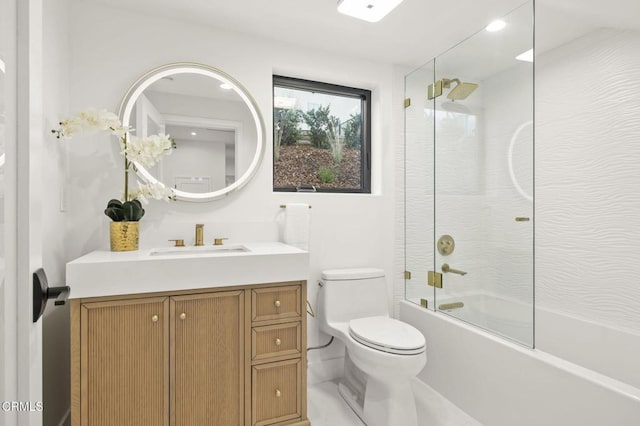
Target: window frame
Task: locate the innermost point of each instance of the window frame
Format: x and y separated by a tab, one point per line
365	150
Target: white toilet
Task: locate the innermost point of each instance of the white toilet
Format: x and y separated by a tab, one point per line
382	354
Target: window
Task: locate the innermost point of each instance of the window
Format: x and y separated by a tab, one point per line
321	137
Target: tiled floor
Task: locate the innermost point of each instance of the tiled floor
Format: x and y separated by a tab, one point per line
327	408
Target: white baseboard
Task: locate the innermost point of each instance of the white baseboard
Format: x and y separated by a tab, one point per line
324	370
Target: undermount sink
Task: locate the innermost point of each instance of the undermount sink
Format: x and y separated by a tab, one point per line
172	251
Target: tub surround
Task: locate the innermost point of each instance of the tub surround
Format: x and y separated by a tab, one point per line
105	273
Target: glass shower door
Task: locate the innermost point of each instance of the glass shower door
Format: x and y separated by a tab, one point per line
483	242
419	186
469	180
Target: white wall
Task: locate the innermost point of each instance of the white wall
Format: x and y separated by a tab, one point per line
588	179
112	48
55	334
196	159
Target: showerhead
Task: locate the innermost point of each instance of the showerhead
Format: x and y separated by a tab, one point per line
462	90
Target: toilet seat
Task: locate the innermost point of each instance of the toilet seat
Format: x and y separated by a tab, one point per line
387	335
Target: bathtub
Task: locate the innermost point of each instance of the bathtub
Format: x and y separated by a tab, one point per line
584	382
509	318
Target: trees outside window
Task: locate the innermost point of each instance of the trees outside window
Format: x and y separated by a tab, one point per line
321	137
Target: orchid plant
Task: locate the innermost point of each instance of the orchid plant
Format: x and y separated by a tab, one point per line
144	151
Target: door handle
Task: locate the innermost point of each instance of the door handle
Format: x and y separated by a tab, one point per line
42	293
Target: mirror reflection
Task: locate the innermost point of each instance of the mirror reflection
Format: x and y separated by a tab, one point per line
215	125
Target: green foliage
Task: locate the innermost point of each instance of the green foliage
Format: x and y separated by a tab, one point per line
318	122
353	131
129	211
326	174
286	123
285	128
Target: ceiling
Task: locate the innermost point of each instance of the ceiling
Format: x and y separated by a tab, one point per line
184	133
415	32
197	85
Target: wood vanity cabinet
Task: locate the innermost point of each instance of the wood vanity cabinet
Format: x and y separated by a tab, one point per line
221	357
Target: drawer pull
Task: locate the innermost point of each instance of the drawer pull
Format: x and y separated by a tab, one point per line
278	342
276	303
183	316
278	393
154	318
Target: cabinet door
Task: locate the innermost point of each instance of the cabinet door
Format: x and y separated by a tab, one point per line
207	359
124	356
276	392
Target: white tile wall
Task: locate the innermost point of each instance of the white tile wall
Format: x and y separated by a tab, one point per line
588	179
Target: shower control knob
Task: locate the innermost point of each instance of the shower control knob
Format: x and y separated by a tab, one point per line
446	245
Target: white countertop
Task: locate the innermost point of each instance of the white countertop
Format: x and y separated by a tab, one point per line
107	273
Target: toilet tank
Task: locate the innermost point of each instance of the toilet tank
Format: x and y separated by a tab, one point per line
348	294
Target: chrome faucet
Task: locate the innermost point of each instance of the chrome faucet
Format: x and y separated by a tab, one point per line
200	234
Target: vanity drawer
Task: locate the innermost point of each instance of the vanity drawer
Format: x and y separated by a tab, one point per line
278	340
275	303
276	392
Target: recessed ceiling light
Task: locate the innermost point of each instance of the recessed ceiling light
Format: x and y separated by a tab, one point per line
526	56
194	134
225	86
367	10
496	25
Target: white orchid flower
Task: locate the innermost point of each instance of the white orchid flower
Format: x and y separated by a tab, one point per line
147	151
88	122
157	191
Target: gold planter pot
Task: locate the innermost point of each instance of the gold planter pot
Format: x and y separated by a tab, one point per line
124	236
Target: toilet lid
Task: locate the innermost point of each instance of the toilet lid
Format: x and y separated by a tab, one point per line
387	335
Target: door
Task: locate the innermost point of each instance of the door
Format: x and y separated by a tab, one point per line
8	332
483	239
208	359
124	359
21	136
469	180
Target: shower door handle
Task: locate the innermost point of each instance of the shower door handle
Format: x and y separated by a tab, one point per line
446	268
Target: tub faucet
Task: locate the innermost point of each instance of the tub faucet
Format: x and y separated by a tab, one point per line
200	234
446	268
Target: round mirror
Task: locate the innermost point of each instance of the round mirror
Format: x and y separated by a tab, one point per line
214	121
